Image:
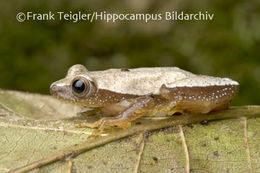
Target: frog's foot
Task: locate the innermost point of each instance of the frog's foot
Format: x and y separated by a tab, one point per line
114	122
96	124
100	125
91	125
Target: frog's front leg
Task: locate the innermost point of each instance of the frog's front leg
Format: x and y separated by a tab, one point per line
138	108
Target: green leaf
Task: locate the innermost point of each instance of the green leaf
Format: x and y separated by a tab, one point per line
38	133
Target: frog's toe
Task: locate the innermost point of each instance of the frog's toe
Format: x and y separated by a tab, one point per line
96	124
125	125
96	133
88	125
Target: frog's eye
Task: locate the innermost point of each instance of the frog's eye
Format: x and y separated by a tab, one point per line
81	87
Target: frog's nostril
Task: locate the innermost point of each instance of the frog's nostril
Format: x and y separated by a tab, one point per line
54	88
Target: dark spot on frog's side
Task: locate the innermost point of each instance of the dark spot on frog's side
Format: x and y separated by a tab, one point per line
125	69
216	138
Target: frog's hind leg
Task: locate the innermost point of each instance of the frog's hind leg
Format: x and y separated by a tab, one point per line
187	99
140	107
199	99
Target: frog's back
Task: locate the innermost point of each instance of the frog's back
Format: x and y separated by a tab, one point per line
138	81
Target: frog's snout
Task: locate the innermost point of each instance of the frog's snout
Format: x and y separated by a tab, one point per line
56	88
61	90
53	88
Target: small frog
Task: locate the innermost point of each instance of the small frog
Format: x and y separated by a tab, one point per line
128	94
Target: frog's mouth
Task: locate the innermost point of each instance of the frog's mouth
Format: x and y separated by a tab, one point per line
63	99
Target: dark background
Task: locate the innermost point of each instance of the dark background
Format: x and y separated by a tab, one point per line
33	54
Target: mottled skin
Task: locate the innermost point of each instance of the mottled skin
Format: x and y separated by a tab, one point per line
115	92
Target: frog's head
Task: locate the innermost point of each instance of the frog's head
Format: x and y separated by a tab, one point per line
77	87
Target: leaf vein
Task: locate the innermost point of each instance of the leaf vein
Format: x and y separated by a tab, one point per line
70	165
44	128
140	153
247	145
186	151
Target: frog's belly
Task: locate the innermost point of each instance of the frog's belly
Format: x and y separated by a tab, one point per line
115	109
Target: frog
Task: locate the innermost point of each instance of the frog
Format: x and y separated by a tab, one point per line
124	95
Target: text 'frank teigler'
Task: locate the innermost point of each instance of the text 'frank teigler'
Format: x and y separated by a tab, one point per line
114	17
